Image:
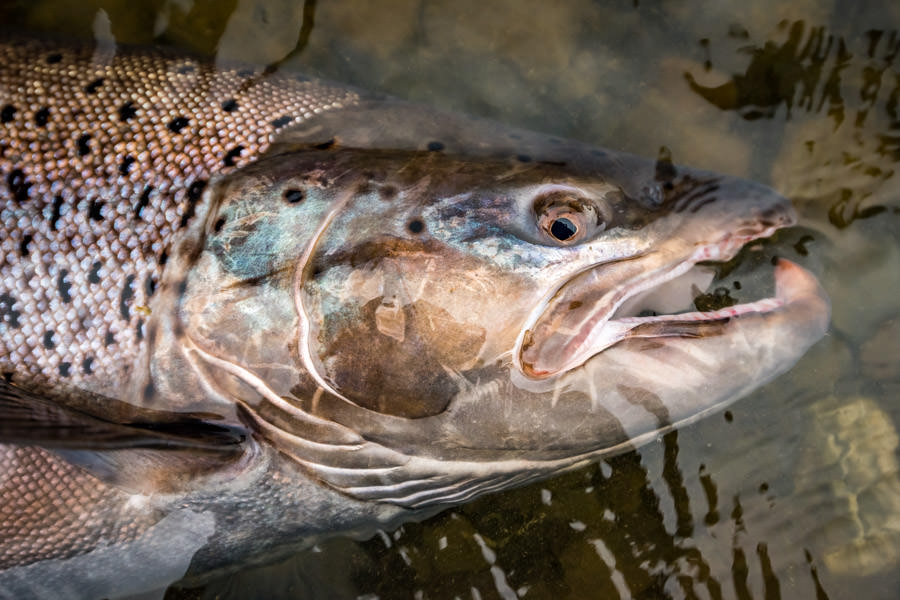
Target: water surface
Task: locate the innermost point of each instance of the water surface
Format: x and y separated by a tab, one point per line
795	491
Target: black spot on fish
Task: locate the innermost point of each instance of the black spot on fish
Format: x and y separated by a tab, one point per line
7	113
737	285
93	86
87	365
729	417
177	124
325	145
143	201
232	155
523	158
387	192
94	275
435	146
109	339
54	58
9	315
194	193
293	196
8	376
230	105
63	286
57	207
182	287
149	391
23	245
220	222
196	190
95	210
49	344
125	297
127	111
83	144
163	258
125	165
18	185
41	117
416	226
149	286
64	368
282	121
139	330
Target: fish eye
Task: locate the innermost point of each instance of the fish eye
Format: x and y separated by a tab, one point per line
563	229
567	218
563	225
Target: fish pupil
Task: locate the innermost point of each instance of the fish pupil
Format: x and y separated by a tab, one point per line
563	229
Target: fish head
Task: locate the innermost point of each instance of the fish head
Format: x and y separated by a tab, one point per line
419	327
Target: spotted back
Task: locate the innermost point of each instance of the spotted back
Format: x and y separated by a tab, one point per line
104	156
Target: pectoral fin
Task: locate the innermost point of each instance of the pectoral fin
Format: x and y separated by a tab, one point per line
140	450
30	419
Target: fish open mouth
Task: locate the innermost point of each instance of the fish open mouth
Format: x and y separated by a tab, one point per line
588	314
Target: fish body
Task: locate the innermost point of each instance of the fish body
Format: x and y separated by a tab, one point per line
242	311
105	156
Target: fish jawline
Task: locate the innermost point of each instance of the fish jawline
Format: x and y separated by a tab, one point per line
603	330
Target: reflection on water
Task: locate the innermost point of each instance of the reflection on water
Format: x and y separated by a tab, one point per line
794	492
813	72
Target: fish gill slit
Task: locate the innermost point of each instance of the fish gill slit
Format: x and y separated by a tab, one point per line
303	323
257	384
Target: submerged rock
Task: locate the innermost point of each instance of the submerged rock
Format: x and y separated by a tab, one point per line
849	474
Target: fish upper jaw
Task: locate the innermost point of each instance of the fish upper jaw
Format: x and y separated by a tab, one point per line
582	318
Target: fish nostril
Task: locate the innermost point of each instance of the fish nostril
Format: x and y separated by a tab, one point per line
768	214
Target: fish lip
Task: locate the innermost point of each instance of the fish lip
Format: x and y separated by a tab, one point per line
602	331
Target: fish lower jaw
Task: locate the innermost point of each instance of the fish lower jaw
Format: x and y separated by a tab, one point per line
793	285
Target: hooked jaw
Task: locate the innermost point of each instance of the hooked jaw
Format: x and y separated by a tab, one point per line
570	331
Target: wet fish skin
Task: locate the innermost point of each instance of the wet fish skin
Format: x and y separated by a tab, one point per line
295	283
104	157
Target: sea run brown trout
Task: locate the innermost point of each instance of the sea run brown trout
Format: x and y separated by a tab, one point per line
240	312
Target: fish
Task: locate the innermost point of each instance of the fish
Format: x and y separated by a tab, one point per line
242	311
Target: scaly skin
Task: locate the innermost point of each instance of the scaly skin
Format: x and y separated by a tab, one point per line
103	158
376	304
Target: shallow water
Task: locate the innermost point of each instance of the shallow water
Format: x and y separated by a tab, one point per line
795	491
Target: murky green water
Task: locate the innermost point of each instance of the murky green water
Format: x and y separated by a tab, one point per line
793	493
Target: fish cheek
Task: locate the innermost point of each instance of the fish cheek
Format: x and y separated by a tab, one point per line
400	360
